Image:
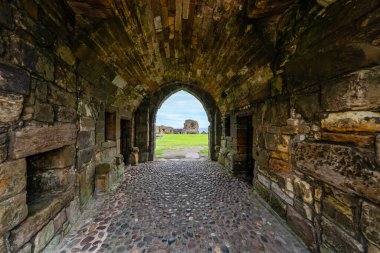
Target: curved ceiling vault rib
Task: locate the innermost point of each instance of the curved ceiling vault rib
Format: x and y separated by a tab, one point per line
213	44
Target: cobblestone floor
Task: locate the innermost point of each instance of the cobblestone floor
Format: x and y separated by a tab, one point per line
181	206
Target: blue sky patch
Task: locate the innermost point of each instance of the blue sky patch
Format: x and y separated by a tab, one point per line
180	107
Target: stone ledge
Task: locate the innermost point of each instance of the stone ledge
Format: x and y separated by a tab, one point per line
346	168
38	217
33	140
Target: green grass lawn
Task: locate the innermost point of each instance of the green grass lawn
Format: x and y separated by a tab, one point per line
172	141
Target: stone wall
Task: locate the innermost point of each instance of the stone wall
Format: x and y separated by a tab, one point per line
316	132
52	127
316	160
191	126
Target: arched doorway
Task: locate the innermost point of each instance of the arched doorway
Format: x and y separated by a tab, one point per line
145	118
181	128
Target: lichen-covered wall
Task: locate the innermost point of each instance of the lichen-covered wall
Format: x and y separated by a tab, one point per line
316	131
51	125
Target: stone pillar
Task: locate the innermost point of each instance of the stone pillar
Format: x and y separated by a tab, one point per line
142	126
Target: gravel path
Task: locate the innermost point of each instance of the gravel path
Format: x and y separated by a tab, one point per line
181	206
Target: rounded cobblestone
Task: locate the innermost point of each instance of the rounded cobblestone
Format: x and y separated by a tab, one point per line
182	206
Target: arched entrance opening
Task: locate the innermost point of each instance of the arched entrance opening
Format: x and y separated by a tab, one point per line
181	128
145	118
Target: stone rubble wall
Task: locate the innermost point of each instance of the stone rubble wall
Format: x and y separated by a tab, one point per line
49	100
316	161
316	130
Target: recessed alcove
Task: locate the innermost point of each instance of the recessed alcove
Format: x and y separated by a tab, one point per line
49	175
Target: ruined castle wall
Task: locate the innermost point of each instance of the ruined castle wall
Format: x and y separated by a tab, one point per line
316	131
52	125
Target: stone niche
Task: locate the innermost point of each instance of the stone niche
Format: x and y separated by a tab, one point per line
50	178
49	174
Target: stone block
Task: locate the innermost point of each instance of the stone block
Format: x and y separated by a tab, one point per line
3	245
277	165
264	180
55	159
59	96
86	183
134	158
65	79
279	155
303	190
340	213
370	222
72	211
6	14
364	141
346	168
301	226
10	107
307	105
59	220
3	152
27	248
303	209
65	114
378	149
45	67
373	248
271	141
65	54
339	240
86	124
14	80
85	139
261	190
277	113
43	112
12	212
278	205
43	237
304	70
34	139
85	156
86	110
53	244
360	121
41	89
281	194
37	220
12	178
357	91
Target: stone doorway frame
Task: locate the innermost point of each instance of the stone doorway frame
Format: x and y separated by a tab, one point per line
145	118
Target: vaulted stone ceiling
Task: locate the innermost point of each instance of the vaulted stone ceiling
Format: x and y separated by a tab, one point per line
149	43
230	48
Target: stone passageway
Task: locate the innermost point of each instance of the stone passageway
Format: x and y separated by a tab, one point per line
181	206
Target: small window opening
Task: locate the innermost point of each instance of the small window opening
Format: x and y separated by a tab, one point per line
110	126
227	126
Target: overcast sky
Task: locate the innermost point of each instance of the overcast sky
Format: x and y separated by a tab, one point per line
180	107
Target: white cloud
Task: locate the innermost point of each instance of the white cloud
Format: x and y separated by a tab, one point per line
179	107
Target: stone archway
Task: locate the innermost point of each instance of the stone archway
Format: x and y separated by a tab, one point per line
145	118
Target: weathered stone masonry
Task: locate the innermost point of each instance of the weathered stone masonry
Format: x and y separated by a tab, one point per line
52	126
291	89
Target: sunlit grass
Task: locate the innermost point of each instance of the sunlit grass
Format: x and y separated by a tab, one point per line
173	141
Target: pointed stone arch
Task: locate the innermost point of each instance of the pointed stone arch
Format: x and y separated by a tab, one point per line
145	118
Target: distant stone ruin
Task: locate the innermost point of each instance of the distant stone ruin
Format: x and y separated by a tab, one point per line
189	127
164	130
